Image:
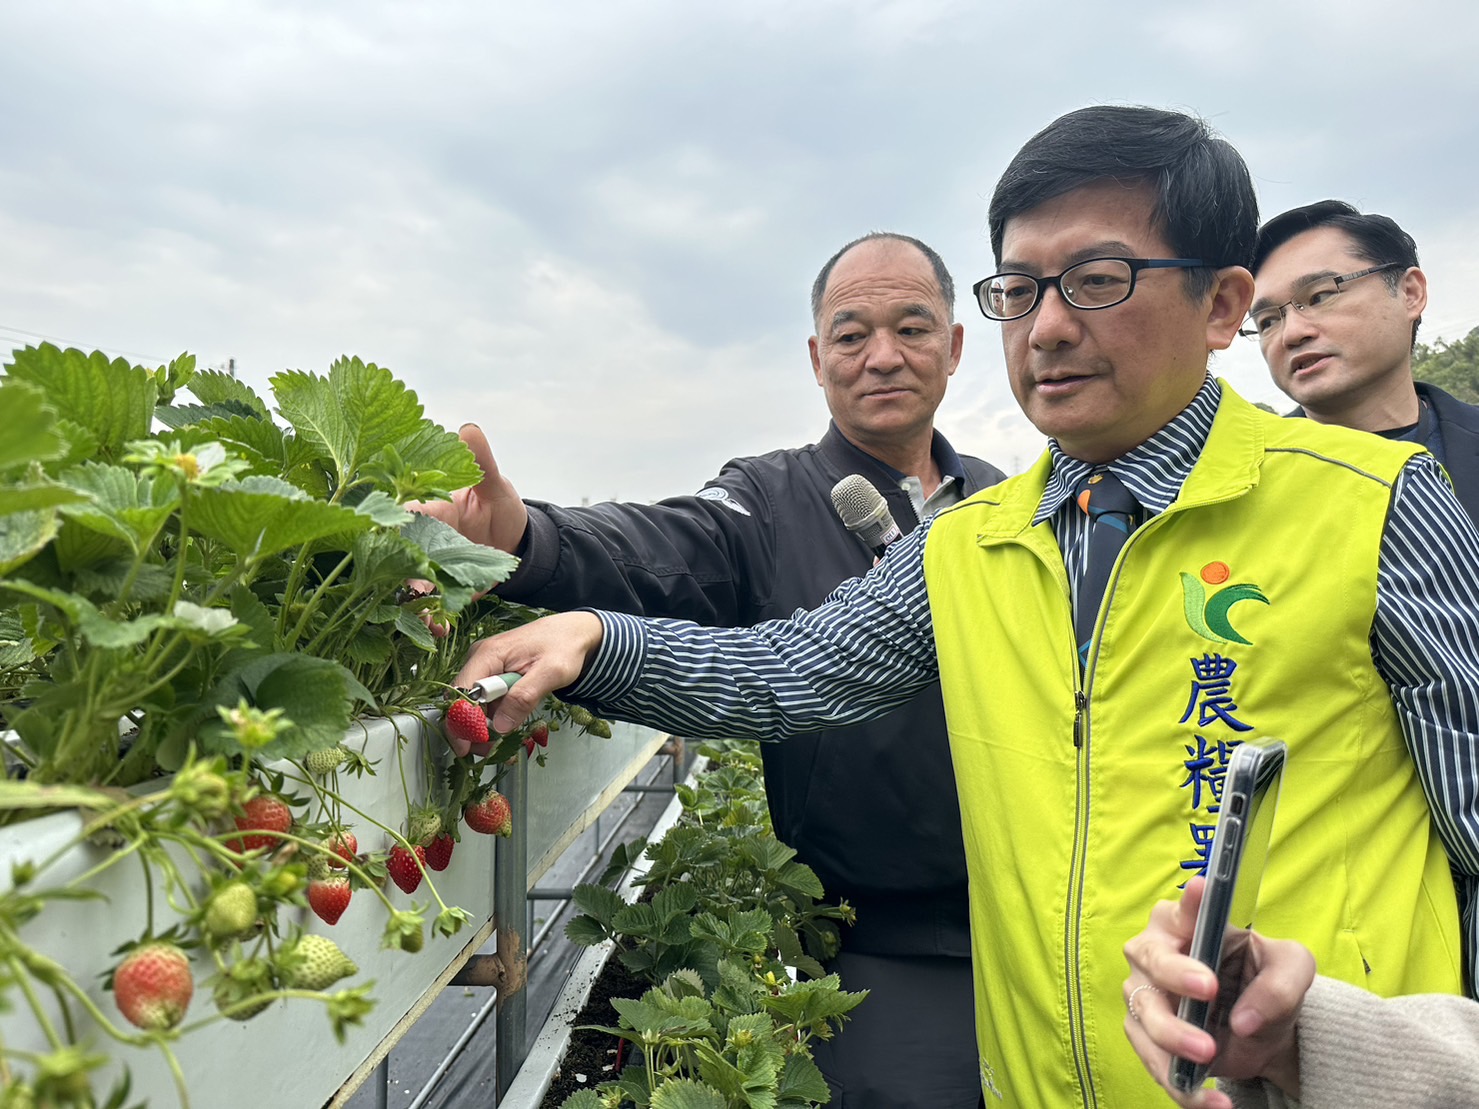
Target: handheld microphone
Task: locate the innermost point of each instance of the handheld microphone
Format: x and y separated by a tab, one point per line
865	513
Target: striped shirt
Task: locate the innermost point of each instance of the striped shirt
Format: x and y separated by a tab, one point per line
870	646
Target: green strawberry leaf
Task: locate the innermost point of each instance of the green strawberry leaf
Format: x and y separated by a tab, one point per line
811	1002
82	444
584	931
70	605
313	693
30	426
464	568
583	1099
598	902
382	508
248	608
359	412
113	401
273	451
686	1093
384	558
214	387
35	496
367	646
413	629
101	630
261	516
799	879
104	631
801	1082
176	416
120	503
108	578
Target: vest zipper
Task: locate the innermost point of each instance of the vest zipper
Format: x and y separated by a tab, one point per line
1078	864
1074	909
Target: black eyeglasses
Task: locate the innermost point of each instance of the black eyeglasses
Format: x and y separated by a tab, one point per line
1265	323
1087	286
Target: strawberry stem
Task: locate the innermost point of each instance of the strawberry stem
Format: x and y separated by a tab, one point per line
22	978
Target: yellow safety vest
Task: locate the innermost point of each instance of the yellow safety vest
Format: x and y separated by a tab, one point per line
1244	610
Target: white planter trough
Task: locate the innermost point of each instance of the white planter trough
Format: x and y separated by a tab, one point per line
289	1050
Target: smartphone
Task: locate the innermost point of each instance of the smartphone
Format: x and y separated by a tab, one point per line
1250	794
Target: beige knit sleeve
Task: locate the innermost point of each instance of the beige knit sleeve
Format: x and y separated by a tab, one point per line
1357	1049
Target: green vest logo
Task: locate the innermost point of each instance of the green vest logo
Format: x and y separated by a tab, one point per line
1209	614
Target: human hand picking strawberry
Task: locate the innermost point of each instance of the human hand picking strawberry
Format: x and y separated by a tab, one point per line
548	654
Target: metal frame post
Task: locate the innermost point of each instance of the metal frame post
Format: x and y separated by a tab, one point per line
510	897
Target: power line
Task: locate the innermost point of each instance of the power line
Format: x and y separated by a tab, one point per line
21	333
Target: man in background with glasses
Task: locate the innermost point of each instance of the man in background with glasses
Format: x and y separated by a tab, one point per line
1335	311
1100	655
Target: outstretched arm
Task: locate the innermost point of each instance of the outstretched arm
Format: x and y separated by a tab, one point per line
702	557
869	647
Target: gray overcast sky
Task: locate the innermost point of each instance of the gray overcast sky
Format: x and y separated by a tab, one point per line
592	227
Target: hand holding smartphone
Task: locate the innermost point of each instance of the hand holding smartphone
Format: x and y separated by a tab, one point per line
1250	795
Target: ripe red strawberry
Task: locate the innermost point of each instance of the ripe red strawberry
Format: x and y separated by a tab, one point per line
405	868
539	734
344	847
329	897
490	815
466	726
153	986
266	812
439	851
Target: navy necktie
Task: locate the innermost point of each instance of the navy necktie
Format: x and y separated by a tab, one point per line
1112	511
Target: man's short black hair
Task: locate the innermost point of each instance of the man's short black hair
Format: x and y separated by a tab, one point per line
1205	204
1376	238
942	275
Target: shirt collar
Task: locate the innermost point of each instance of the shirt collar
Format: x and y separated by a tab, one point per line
944	454
1154	471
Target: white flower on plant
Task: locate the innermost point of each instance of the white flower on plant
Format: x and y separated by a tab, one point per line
207	464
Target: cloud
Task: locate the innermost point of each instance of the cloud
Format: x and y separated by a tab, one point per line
593	227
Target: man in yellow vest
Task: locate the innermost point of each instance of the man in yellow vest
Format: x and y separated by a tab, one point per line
1276	577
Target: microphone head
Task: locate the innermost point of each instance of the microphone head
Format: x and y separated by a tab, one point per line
863	510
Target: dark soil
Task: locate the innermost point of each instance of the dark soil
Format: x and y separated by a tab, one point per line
593	1055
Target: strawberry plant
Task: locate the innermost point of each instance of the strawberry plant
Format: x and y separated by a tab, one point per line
198	579
743	1044
722	860
232	582
732	938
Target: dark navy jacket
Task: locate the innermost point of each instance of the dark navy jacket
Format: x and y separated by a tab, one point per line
1458	425
871	807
